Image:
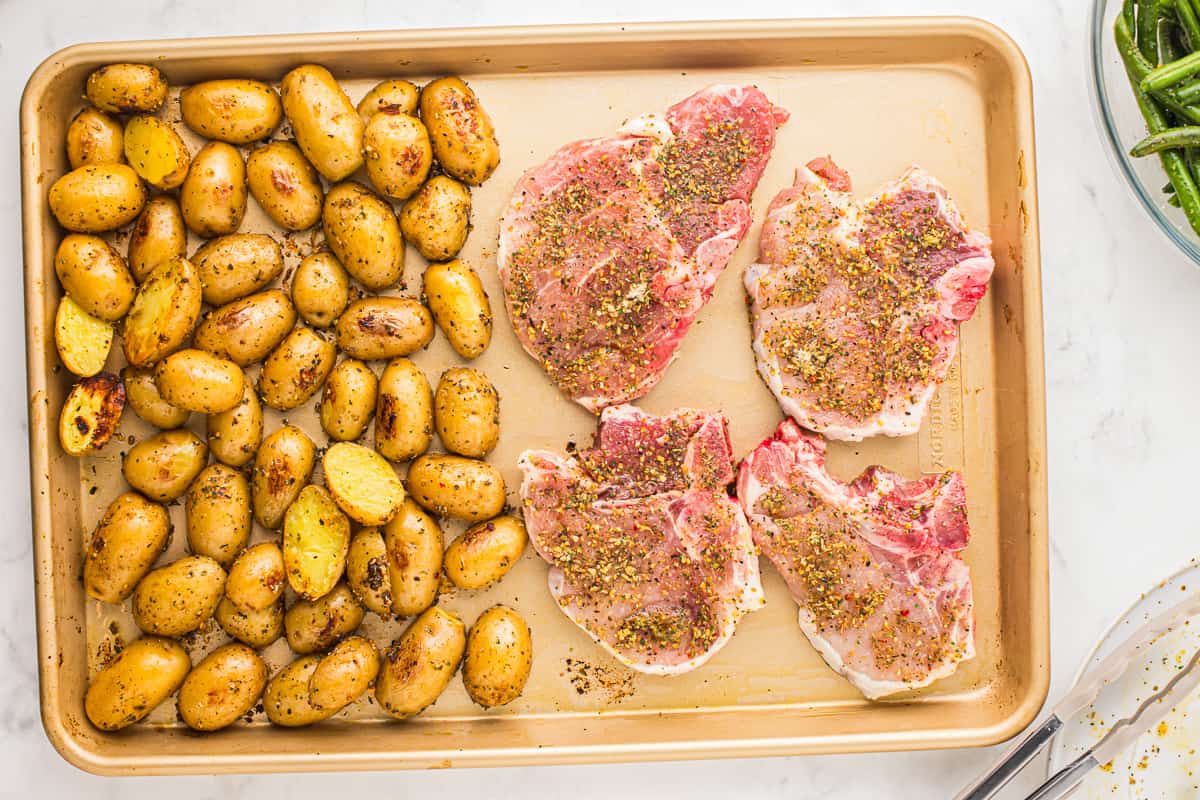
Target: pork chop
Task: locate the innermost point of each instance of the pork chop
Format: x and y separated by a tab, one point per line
648	553
875	564
856	307
609	249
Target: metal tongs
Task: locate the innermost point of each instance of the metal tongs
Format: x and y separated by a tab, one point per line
1121	736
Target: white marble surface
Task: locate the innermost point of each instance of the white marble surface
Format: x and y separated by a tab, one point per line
1122	327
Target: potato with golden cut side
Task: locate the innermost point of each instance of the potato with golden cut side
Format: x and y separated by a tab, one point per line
320	289
315	625
257	577
198	381
95	276
367	571
399	95
485	552
258	629
94	137
403	412
218	514
466	412
127	87
156	152
345	673
82	340
141	394
419	665
414	545
460	307
234	266
97	197
286	699
316	537
130	537
146	673
234	110
464	141
213	195
437	219
362	483
378	328
246	330
282	467
222	688
91	413
397	153
163	466
458	487
296	369
362	231
163	314
325	122
158	236
234	435
180	597
285	185
499	655
348	401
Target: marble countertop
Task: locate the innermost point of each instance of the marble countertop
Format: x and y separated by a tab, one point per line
1121	332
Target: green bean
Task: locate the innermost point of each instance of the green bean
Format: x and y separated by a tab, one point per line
1189	22
1133	55
1188	92
1168	48
1129	11
1172	73
1147	29
1170	139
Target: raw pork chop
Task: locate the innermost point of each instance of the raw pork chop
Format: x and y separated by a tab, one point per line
856	307
875	564
648	553
609	250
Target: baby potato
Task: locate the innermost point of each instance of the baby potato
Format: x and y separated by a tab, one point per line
344	674
286	698
419	665
163	466
180	597
91	413
257	577
218	514
246	330
320	289
234	266
414	549
367	571
146	673
255	628
437	219
127	87
281	469
313	625
94	137
82	341
460	306
457	487
325	122
296	369
213	195
397	153
348	400
316	536
485	552
163	314
466	412
362	483
95	276
198	381
394	94
498	657
141	393
376	328
131	536
159	235
97	197
156	152
404	412
234	435
461	132
222	688
363	233
285	185
237	111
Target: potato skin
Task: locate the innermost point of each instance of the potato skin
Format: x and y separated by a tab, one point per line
414	547
236	110
130	537
218	514
460	306
419	665
464	141
82	340
159	235
146	673
156	152
296	369
362	231
397	153
367	571
320	289
257	577
163	466
286	186
282	467
127	87
178	598
91	413
141	394
457	487
344	674
95	276
213	195
246	330
94	137
163	314
398	94
222	688
348	401
485	552
437	219
499	655
286	698
403	412
377	328
255	628
325	122
234	266
234	435
362	483
316	537
198	381
466	412
314	625
97	197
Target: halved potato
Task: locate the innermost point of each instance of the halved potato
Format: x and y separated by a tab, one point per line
362	483
316	536
83	341
91	413
163	313
156	152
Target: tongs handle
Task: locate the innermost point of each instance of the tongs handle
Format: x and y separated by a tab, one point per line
1012	762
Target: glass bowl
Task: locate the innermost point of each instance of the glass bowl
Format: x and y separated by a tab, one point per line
1122	125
